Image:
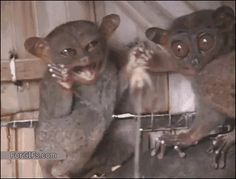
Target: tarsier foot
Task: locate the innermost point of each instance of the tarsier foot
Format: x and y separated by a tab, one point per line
180	141
220	146
168	140
61	74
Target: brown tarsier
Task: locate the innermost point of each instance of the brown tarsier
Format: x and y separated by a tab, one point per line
73	122
201	47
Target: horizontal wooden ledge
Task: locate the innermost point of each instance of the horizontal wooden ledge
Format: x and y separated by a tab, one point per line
26	69
27	115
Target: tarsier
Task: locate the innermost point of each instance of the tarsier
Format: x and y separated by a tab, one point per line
77	94
201	47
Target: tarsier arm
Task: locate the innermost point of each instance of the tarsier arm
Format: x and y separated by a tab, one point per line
61	99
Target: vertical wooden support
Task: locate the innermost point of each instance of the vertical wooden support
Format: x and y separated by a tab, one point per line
8	139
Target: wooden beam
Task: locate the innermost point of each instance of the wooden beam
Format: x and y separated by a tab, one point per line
28	115
26	69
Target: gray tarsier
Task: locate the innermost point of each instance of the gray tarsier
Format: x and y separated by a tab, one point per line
117	146
74	122
201	47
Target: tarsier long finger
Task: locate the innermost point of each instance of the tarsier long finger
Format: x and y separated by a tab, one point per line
61	74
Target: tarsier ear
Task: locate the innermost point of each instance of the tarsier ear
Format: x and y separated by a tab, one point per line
157	35
37	47
109	24
224	18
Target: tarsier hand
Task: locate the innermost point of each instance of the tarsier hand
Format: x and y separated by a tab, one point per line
139	57
61	73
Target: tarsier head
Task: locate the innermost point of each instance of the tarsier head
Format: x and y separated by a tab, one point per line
80	45
195	39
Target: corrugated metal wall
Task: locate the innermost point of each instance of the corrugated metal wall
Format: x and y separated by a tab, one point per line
20	20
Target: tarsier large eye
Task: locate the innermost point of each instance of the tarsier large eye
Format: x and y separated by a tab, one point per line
69	52
180	49
91	45
206	42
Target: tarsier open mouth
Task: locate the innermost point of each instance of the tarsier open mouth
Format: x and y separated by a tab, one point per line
87	73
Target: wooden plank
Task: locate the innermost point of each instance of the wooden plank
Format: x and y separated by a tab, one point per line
9	102
197	5
6	29
78	10
154	16
161	94
26	142
38	172
175	8
17	22
181	95
8	167
15	99
26	69
31	115
47	17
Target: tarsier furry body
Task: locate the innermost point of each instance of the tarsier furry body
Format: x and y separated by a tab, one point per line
201	47
74	122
